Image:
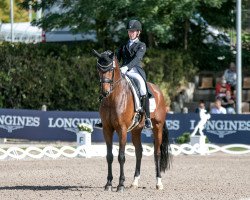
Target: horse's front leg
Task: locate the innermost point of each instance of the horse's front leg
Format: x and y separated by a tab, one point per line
121	159
109	143
109	157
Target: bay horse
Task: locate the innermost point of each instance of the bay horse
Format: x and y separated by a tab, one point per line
117	111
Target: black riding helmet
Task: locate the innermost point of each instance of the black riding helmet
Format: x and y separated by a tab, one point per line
134	25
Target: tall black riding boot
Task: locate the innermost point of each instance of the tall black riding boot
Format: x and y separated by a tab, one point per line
145	105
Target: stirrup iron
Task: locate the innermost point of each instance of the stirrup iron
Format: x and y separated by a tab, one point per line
148	124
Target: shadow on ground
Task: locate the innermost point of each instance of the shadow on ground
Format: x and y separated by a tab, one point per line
47	187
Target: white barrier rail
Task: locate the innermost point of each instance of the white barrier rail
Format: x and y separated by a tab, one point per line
209	149
88	151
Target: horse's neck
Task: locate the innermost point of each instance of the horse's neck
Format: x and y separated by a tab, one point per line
121	88
120	92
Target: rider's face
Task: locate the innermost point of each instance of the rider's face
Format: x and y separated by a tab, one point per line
133	34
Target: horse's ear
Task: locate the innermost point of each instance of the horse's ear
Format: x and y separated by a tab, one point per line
96	53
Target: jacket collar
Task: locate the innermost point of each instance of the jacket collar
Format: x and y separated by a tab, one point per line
133	41
131	46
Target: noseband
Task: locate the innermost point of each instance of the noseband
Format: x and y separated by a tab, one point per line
107	68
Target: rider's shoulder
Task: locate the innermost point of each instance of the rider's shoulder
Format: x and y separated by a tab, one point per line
141	45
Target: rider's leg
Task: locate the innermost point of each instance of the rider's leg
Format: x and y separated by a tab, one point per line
143	91
145	104
135	74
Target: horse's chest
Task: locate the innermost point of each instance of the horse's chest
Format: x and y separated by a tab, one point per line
112	110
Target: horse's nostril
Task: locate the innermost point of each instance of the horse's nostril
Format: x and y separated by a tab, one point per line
105	93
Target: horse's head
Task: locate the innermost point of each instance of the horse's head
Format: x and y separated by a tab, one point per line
106	65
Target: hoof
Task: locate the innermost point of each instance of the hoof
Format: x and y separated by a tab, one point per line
134	186
108	188
159	187
120	188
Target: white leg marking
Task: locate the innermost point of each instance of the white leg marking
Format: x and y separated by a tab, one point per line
159	185
135	182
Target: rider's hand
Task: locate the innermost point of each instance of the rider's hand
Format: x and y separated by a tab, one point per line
124	69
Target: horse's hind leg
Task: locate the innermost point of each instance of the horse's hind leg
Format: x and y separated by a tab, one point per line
161	151
136	139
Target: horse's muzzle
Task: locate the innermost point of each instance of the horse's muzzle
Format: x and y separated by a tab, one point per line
105	93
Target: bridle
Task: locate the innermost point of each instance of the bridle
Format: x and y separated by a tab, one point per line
107	68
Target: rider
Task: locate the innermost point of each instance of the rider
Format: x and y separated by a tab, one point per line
131	55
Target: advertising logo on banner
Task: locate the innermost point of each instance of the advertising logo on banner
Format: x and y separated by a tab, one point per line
69	124
225	127
14	122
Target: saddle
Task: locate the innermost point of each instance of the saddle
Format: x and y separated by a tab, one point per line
134	85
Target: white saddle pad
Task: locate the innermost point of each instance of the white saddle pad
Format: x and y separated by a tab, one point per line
152	104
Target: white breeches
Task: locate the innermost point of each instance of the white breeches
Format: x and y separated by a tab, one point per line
135	74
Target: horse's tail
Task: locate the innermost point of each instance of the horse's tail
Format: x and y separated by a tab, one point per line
166	157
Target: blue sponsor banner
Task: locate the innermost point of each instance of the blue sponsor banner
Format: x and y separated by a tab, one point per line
62	125
220	129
